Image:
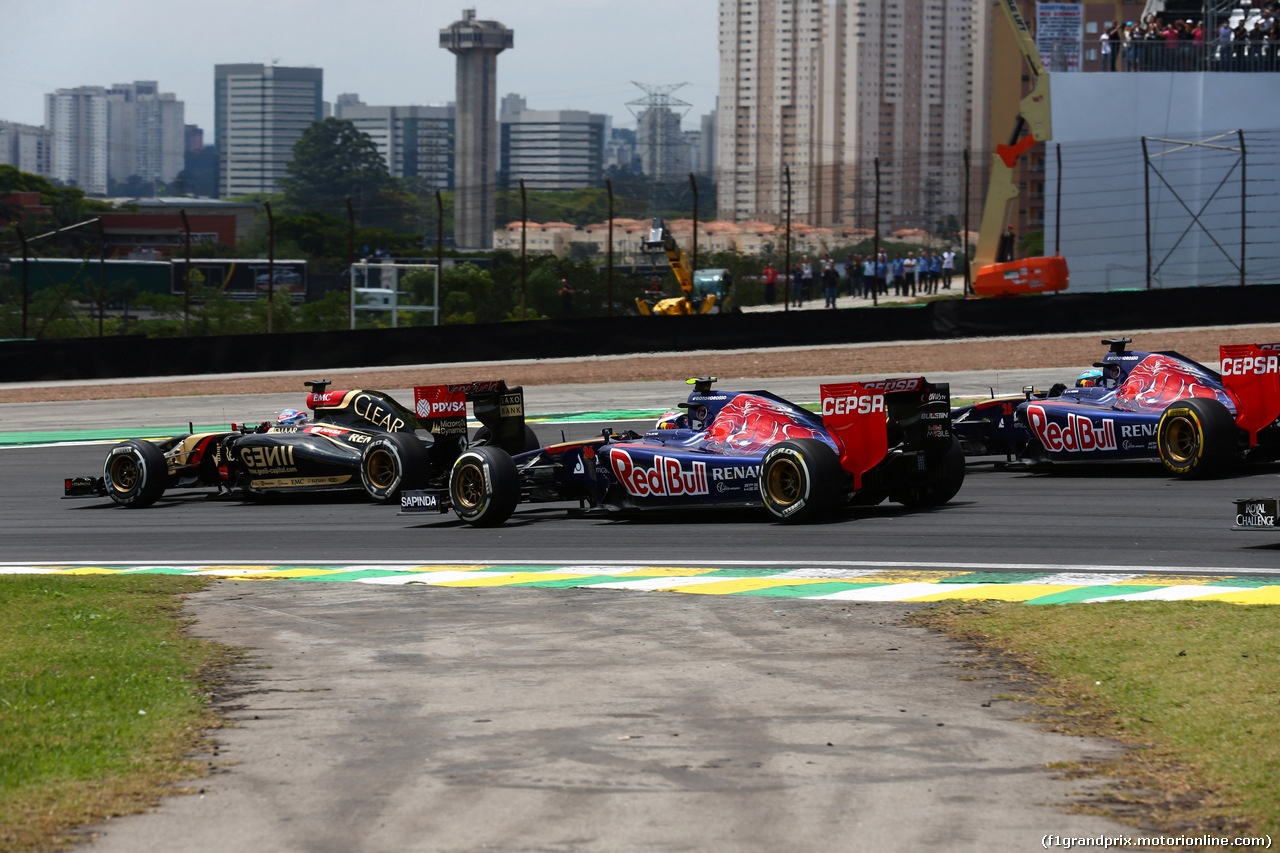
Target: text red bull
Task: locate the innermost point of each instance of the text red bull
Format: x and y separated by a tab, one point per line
665	479
1078	435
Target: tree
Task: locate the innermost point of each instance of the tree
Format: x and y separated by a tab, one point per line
334	160
467	296
1032	244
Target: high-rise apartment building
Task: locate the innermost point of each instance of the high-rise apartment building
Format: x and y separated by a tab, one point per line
477	44
25	147
146	137
817	90
910	65
414	141
100	135
552	149
77	121
768	103
260	111
707	144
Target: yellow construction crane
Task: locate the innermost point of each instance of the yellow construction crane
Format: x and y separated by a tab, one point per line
997	274
709	296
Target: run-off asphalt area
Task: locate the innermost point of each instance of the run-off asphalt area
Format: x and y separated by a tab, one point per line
427	718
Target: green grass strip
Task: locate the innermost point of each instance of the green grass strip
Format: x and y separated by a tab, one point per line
97	706
19	439
1195	685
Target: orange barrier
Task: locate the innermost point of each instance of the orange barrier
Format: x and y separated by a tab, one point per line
1029	275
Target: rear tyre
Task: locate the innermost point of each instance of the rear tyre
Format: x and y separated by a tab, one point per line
801	481
484	435
484	486
392	463
135	474
1196	438
944	479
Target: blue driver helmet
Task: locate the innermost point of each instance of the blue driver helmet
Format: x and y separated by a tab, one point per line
1091	378
291	417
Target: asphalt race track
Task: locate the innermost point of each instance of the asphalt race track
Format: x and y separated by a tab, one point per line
417	717
1123	519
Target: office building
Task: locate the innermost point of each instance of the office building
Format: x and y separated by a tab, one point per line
477	44
260	111
414	141
660	144
551	149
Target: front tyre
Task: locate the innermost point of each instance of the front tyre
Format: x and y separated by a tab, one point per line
801	481
391	463
1196	438
484	486
135	474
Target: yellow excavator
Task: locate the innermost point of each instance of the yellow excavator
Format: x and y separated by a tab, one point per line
703	292
997	273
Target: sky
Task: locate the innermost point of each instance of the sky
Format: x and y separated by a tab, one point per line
568	54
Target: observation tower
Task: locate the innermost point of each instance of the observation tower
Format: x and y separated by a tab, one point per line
477	45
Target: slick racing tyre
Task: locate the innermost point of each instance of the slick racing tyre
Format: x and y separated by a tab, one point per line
801	480
392	463
135	474
943	479
484	486
1196	438
484	435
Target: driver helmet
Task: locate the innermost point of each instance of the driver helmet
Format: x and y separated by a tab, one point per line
1091	378
291	417
672	420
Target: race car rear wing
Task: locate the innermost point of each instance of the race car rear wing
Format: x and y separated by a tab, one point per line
442	411
861	415
358	409
1251	375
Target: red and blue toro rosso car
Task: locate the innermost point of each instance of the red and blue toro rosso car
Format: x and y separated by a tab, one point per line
872	440
1141	406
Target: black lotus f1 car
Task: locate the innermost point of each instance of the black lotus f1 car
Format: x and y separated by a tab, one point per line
355	440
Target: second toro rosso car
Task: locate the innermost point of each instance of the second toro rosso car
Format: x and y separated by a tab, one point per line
871	441
1141	406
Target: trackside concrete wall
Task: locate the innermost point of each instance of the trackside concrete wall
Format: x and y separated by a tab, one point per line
91	358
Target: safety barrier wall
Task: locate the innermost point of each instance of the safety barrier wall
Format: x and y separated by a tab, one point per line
102	358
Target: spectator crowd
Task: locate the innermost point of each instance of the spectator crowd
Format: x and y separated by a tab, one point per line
920	273
1154	44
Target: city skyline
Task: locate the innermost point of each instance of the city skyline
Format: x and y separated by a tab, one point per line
661	42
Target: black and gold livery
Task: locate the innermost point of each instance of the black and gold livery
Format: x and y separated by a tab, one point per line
359	439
